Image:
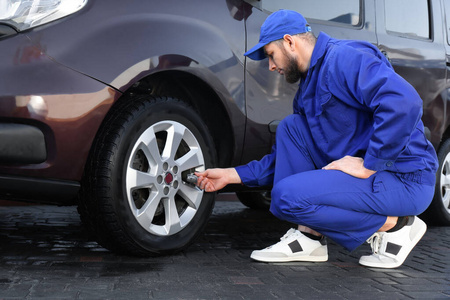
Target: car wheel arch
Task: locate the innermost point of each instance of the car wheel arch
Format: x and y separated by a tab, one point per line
211	105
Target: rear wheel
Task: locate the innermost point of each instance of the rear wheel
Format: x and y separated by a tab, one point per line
439	210
255	199
134	195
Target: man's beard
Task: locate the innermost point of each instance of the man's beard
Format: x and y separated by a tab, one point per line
292	74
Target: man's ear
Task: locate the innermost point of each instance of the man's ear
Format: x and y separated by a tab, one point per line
289	39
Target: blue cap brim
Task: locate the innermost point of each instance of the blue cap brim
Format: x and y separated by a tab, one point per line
257	52
275	27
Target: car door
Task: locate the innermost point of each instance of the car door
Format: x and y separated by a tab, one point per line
410	34
413	35
446	24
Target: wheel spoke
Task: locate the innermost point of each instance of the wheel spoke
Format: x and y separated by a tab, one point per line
137	179
446	200
190	160
445	180
187	216
147	212
149	145
174	137
192	195
172	217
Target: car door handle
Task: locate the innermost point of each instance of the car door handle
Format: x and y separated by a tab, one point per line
386	55
273	126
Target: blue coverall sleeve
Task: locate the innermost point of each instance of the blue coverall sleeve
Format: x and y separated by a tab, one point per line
365	76
258	173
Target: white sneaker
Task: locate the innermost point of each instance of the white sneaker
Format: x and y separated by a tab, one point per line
390	249
294	246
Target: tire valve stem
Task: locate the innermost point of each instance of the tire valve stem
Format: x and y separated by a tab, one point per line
191	178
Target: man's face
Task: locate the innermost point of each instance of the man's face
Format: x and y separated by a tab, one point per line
283	62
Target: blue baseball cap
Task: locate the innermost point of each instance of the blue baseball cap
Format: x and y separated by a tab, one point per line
275	27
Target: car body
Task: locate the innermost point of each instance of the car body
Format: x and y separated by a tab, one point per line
112	105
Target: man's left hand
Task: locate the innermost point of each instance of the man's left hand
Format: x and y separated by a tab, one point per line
351	165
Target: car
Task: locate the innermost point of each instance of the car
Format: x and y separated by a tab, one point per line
111	105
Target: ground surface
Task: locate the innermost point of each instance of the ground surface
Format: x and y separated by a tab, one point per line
46	254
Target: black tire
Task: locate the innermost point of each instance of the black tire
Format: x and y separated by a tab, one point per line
438	213
259	200
134	196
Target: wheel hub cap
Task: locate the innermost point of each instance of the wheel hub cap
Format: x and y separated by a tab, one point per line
168	179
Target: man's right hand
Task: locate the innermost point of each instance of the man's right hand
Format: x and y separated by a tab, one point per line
213	180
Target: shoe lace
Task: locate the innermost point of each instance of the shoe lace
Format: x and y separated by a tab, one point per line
375	242
287	234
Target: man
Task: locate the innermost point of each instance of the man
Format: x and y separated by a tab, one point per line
352	162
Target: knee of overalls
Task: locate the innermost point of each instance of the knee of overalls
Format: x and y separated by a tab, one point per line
287	123
283	201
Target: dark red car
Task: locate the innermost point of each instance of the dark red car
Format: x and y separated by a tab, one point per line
110	104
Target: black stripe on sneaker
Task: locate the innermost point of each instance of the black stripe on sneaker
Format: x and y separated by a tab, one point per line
295	246
393	248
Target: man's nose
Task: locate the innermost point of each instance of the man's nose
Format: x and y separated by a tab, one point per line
272	66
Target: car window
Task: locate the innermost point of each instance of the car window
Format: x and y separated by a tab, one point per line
447	17
410	18
347	12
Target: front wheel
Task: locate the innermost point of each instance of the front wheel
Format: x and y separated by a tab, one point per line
135	196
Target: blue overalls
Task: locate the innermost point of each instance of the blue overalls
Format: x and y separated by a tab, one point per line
351	102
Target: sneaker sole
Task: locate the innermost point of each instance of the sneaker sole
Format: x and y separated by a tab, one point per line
414	241
290	259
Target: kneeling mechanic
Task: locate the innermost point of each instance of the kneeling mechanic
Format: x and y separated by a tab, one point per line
352	162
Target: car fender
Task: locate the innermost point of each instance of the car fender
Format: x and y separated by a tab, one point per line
144	39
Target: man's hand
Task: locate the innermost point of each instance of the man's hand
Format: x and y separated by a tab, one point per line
351	165
213	180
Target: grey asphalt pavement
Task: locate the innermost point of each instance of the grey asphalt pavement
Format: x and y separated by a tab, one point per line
46	254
